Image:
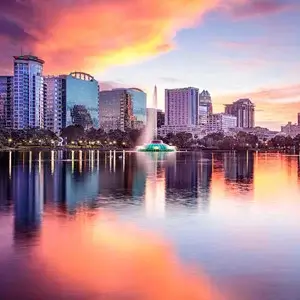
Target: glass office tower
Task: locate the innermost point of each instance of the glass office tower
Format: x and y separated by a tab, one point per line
139	107
82	94
28	104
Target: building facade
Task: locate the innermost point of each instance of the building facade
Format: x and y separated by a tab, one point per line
6	101
28	90
139	107
205	100
82	93
221	122
181	106
244	111
291	129
160	118
203	115
55	103
116	110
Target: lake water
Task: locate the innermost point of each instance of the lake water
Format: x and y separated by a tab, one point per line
94	225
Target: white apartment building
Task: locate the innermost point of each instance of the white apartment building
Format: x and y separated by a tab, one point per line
55	103
221	122
28	103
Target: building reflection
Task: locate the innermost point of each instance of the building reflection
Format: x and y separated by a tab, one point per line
5	181
205	170
239	166
68	181
182	181
27	193
155	185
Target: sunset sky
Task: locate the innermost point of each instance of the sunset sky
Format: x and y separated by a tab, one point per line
235	48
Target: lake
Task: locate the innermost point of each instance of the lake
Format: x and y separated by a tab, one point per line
125	225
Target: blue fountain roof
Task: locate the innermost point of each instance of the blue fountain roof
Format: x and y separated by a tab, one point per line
158	146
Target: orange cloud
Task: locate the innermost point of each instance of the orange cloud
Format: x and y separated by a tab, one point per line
104	33
276	106
116	260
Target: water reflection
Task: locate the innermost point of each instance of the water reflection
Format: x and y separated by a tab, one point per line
239	205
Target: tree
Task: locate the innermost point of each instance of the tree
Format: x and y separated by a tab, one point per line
73	133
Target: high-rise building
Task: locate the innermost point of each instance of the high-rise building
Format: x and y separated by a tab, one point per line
6	101
181	106
139	106
221	122
160	118
81	116
82	90
203	115
243	110
205	100
28	103
298	119
116	110
55	103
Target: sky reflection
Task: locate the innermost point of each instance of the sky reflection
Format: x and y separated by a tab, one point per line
85	224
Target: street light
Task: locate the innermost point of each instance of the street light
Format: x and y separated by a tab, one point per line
9	140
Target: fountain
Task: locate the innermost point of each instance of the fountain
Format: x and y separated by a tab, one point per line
151	133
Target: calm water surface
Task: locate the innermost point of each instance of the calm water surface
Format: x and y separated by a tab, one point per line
94	225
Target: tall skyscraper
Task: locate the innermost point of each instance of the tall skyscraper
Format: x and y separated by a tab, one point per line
6	101
139	106
55	104
243	110
205	100
115	110
82	90
28	103
181	106
298	119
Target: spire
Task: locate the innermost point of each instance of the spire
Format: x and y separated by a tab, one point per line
155	97
155	113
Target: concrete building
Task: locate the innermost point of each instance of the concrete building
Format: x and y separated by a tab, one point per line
205	100
181	106
71	100
299	119
55	104
221	122
115	110
243	110
203	115
196	131
6	101
28	104
160	118
291	129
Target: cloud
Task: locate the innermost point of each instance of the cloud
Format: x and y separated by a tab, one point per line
94	34
170	79
109	85
133	265
245	9
274	106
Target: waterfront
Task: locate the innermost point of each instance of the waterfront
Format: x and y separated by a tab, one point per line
142	220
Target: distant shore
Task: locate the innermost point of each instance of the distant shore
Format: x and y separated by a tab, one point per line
83	148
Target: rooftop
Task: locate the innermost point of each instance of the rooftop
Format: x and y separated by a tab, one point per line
29	58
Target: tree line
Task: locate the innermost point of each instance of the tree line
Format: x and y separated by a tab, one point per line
76	136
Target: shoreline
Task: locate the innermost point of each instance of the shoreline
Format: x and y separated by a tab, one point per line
45	148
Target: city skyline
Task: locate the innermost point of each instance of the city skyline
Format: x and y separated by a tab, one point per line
226	47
